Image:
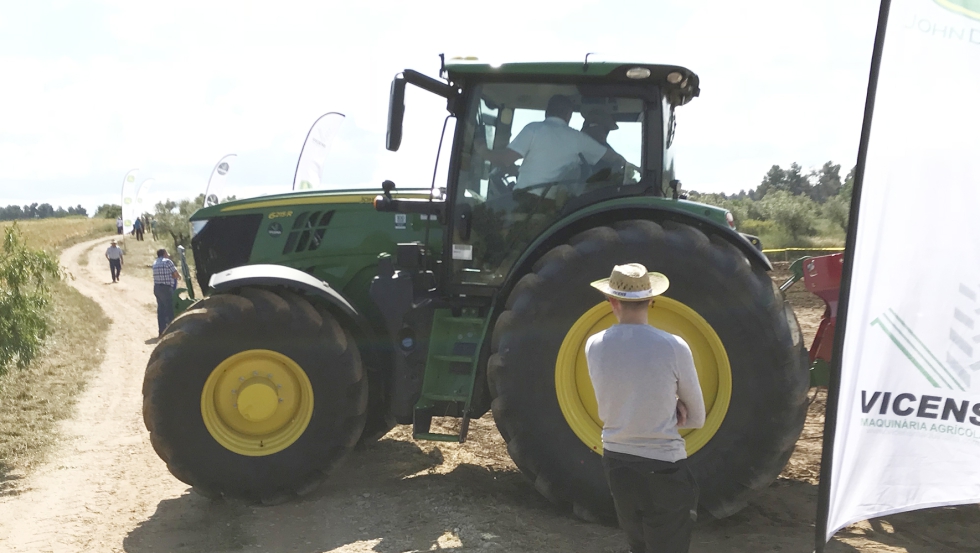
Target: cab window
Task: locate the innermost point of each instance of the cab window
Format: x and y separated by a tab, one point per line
530	153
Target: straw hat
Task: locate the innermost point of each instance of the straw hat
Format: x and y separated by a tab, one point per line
632	282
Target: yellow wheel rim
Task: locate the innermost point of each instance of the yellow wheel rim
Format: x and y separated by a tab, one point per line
257	402
574	387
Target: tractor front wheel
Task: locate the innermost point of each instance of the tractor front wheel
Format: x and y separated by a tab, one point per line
255	395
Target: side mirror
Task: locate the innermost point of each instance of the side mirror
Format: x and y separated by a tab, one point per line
396	113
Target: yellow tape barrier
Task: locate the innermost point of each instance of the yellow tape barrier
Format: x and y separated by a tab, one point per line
803	250
783	254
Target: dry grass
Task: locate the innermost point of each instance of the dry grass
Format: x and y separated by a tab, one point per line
57	234
34	399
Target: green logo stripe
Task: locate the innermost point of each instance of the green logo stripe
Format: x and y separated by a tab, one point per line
908	342
969	8
905	351
938	362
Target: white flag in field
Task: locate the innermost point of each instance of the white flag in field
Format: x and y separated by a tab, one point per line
907	433
309	168
217	181
128	201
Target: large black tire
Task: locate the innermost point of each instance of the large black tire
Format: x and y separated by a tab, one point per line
253	319
749	314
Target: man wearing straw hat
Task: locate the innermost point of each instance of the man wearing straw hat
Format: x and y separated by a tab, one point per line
646	388
115	256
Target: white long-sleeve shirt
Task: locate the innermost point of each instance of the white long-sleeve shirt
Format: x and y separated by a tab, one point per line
639	373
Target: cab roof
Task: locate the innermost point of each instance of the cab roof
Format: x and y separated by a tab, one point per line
681	83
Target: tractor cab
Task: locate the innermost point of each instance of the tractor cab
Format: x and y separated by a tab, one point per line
554	163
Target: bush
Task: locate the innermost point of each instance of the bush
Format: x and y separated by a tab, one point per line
837	210
173	218
794	213
756	227
108	211
24	275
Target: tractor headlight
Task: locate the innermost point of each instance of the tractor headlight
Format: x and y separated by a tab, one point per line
197	226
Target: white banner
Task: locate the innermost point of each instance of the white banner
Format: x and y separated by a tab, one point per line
143	203
128	201
309	168
907	434
216	182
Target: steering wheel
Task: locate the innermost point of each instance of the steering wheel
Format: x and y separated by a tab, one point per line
502	180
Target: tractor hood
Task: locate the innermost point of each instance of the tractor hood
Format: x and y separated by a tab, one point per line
290	200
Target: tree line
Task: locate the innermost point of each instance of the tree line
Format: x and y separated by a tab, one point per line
38	211
790	207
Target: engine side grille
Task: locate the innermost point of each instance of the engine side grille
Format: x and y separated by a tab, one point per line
307	232
224	243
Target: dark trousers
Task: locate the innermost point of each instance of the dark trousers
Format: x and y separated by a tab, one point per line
115	267
656	501
139	234
165	305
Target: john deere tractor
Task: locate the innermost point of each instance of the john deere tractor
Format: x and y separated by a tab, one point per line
330	316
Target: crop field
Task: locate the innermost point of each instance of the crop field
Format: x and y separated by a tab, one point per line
55	234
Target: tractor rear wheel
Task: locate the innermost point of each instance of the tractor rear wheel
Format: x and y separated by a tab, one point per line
745	339
255	395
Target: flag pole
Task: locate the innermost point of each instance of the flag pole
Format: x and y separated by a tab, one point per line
313	126
833	387
216	165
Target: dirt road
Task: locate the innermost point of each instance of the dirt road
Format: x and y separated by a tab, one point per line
106	490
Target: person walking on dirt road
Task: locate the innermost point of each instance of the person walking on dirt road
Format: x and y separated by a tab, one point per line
646	389
115	257
138	228
164	275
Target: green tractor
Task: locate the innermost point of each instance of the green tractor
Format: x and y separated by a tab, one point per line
331	316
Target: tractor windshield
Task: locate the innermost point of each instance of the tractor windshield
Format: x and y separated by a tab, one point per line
531	153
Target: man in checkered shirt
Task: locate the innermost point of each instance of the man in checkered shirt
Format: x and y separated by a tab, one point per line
164	276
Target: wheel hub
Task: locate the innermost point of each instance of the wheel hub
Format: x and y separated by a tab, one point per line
257	402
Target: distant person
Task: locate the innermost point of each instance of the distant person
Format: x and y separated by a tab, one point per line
646	389
119	225
552	151
153	228
138	229
115	257
164	276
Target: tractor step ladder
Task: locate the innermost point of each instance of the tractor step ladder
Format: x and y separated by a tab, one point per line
450	372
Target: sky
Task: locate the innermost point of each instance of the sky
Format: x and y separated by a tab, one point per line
93	89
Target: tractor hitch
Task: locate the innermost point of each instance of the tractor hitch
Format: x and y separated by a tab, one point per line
821	276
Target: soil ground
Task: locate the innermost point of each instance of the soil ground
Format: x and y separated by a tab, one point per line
104	489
